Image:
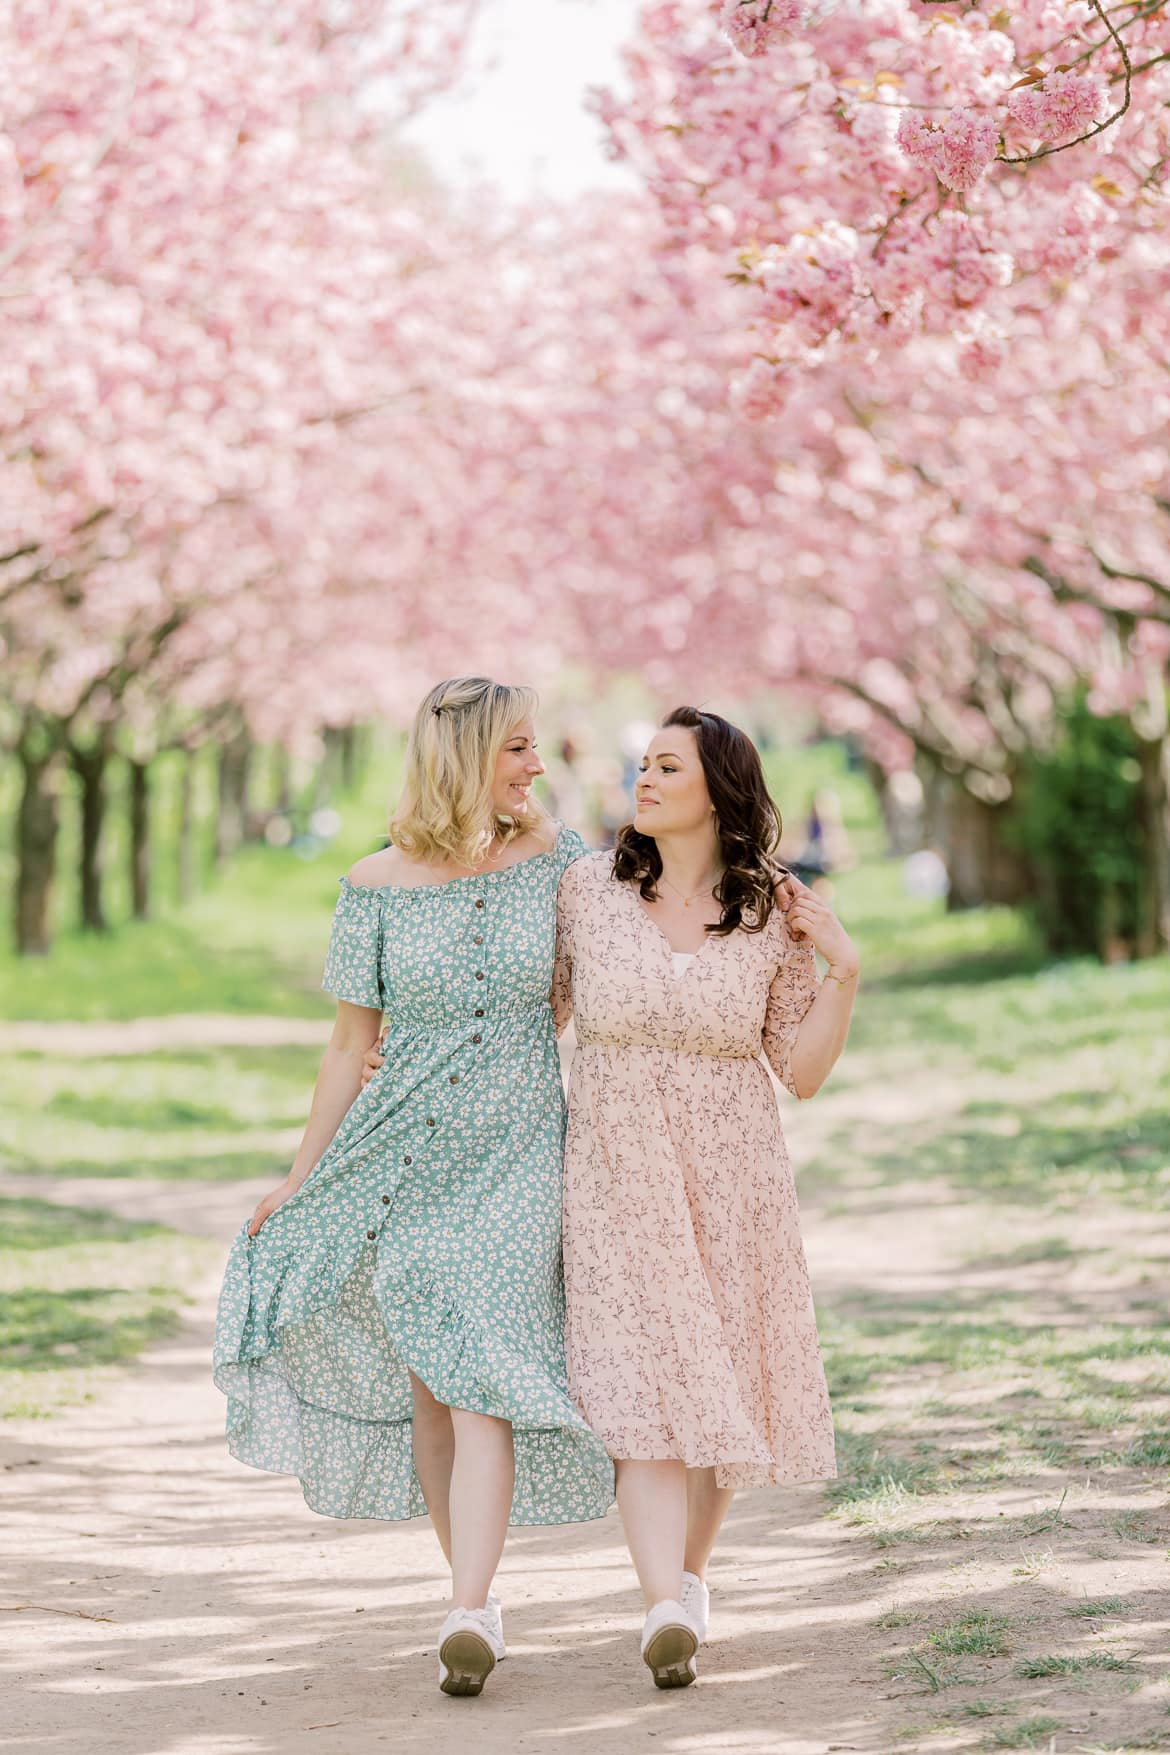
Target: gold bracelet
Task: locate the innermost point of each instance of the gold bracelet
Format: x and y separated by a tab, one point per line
829	976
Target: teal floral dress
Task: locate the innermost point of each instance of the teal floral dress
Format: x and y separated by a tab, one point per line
428	1236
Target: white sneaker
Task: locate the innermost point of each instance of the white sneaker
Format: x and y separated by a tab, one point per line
696	1600
495	1609
468	1650
669	1643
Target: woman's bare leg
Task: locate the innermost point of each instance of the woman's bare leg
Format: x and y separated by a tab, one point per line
480	1499
433	1442
652	1498
707	1506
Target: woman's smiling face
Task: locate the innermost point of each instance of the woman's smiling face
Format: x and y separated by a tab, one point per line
670	793
517	766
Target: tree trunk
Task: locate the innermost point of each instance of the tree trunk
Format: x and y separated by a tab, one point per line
252	819
140	840
185	851
37	822
349	757
231	795
328	774
1153	924
282	768
90	767
982	865
936	788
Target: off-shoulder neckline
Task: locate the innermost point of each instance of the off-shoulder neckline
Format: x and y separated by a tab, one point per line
471	878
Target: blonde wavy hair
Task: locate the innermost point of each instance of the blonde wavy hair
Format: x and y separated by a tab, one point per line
446	810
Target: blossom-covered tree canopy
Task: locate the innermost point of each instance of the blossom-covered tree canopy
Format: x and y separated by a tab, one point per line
865	391
893	166
934	240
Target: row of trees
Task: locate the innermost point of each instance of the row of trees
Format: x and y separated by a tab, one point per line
232	407
865	395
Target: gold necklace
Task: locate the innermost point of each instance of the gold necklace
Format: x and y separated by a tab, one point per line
687	900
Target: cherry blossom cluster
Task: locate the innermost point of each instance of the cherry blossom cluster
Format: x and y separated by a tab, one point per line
753	25
953	156
958	149
1060	106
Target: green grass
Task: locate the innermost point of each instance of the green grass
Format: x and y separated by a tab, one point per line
82	1290
1150	1449
927	1673
253	941
981	1709
893	1618
215	1113
1036	1668
975	1633
1025	1733
1135	1526
873	1482
1051	1080
1098	1608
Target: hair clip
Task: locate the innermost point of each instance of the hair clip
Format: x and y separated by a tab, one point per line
437	711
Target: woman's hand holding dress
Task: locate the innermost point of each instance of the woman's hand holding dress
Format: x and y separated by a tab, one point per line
338	1083
277	1198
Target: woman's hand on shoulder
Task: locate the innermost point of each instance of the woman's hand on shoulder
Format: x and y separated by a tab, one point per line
374	1060
809	916
785	887
543	835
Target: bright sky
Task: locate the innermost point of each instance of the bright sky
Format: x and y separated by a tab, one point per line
520	119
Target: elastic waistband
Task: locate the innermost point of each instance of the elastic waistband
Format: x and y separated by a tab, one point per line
466	1020
747	1059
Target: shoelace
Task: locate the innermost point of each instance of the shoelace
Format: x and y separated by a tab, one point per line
483	1618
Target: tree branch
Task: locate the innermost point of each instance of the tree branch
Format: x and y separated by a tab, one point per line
1098	127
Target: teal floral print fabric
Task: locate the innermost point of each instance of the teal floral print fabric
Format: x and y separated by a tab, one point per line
428	1237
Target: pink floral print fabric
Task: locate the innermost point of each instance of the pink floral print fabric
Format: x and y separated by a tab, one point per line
690	1326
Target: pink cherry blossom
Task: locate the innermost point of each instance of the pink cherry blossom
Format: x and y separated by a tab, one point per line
1060	106
958	150
753	25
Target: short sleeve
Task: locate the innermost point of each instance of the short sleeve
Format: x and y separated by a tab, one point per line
569	846
353	961
793	989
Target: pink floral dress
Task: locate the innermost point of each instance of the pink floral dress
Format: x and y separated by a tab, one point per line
690	1324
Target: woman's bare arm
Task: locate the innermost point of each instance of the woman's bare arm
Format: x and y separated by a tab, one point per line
338	1082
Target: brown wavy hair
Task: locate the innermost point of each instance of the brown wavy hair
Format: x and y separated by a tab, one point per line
747	821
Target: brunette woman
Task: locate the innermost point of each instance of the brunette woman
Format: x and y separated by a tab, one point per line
685	956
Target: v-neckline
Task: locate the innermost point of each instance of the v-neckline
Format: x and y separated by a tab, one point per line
670	950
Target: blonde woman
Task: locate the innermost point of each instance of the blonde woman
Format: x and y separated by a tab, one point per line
391	1326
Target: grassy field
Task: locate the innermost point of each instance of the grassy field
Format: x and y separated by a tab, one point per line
81	1293
1001	1380
987	1171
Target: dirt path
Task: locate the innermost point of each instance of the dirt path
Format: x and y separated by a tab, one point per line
144	1035
236	1623
159	1599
